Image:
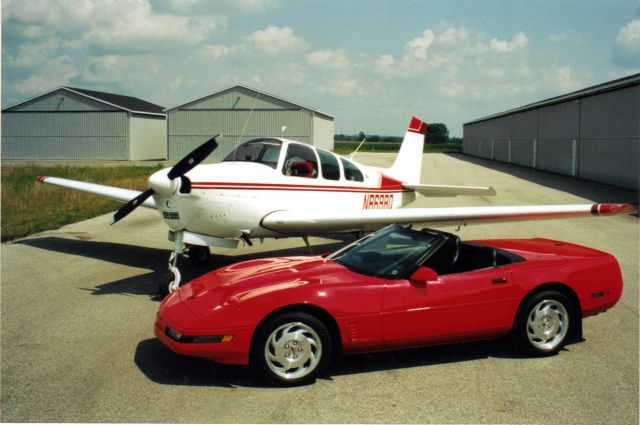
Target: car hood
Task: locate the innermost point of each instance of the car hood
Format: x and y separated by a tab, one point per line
249	279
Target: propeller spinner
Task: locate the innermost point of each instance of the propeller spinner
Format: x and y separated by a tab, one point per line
169	184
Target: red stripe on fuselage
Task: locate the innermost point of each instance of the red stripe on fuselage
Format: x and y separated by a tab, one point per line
388	184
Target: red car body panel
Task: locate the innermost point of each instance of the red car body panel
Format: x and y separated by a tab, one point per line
374	314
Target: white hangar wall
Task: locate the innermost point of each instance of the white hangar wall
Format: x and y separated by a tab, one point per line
68	124
240	113
592	134
63	125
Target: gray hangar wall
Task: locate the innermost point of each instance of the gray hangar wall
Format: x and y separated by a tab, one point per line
63	125
594	135
241	113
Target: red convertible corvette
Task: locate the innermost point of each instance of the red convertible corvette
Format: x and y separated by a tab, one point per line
393	289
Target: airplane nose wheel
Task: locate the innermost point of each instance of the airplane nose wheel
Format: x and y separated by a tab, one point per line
171	281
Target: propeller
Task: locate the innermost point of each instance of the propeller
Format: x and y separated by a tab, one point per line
181	168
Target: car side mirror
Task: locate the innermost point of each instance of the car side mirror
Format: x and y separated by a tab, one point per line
423	275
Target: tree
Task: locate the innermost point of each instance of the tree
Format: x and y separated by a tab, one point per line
437	133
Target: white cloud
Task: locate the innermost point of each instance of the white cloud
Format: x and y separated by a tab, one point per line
329	58
110	25
346	87
171	51
518	41
384	64
417	47
127	70
627	45
275	40
463	67
140	30
453	35
453	90
32	54
557	38
54	73
212	51
198	7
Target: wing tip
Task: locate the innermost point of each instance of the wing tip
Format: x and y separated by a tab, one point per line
41	178
613	209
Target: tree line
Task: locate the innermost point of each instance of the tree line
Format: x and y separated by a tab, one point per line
437	133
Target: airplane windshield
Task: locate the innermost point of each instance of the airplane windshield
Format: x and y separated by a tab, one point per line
391	253
262	151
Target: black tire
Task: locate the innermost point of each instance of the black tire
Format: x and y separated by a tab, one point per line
545	322
163	284
199	255
291	349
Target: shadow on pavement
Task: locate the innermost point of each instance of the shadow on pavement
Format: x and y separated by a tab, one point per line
154	259
162	366
597	192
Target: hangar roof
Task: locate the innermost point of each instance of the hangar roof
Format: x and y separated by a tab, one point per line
630	80
128	103
317	112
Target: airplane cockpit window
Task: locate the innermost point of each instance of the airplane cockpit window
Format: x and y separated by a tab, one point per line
330	167
262	151
300	161
351	172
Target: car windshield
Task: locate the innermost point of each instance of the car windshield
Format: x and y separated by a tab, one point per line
262	151
392	253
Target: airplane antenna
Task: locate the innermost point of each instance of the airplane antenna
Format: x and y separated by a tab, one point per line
354	152
255	100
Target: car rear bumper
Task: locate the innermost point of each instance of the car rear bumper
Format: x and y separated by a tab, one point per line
597	301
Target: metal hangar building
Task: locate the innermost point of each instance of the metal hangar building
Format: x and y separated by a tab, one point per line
240	113
70	123
593	134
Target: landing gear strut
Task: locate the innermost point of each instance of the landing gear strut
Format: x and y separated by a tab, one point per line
171	280
198	256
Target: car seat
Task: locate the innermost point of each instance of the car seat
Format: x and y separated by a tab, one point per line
444	259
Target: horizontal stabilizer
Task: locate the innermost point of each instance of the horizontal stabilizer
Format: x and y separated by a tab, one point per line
305	222
115	193
436	190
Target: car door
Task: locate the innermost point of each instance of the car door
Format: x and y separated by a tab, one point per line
477	304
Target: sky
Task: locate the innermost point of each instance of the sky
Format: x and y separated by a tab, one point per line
371	64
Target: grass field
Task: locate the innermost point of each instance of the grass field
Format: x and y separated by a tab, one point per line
29	206
343	148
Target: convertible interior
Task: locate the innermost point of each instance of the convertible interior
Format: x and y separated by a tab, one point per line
455	256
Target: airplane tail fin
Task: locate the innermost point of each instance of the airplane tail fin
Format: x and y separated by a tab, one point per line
408	164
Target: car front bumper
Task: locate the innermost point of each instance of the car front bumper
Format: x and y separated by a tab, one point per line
233	351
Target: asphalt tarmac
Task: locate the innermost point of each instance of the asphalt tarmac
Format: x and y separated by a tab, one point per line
78	306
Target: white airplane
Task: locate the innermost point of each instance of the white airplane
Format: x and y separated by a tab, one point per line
276	187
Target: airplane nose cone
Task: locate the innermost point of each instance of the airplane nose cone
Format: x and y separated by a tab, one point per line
162	184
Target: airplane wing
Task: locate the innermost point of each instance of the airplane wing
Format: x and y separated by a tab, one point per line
436	190
115	193
306	222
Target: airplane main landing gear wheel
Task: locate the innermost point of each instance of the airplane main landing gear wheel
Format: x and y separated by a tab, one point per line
199	255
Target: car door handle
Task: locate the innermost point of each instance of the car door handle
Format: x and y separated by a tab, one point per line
499	280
